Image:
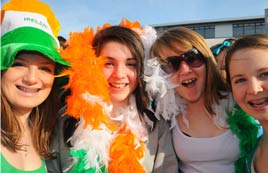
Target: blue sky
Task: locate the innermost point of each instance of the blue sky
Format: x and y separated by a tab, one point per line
75	15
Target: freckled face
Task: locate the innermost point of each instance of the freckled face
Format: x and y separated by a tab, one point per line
250	81
28	82
120	71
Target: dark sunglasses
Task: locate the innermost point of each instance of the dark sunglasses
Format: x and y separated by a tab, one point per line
216	51
192	57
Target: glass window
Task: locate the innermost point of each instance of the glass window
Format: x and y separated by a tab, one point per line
260	28
207	31
248	28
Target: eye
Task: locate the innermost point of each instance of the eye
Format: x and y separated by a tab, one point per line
47	69
108	63
264	75
132	64
239	80
17	64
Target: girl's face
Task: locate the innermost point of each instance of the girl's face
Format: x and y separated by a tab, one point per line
190	80
28	82
249	79
120	71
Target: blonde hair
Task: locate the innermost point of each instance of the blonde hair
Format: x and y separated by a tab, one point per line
215	84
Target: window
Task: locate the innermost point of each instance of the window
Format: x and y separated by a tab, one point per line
248	28
207	31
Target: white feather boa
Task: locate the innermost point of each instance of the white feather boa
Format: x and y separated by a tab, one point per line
168	103
97	143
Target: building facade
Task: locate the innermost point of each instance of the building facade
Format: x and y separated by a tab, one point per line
214	31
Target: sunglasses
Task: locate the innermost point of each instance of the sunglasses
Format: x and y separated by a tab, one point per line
192	57
218	49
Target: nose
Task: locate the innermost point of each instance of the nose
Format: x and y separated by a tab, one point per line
254	87
30	76
184	68
119	72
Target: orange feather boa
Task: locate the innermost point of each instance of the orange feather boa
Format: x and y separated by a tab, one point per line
86	77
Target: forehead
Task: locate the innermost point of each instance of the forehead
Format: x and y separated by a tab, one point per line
174	49
116	50
249	59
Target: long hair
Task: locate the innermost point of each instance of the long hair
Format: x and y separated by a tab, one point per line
256	41
133	41
215	84
41	122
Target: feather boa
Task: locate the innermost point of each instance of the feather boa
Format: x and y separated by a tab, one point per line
228	114
162	91
161	88
100	144
246	129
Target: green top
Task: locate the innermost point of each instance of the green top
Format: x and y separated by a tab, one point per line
8	168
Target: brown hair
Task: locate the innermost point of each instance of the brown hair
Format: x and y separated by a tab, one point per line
215	84
133	41
255	41
41	122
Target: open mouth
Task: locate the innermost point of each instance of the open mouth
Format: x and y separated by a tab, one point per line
259	103
189	82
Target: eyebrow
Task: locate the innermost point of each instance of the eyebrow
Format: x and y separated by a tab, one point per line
112	58
262	69
236	76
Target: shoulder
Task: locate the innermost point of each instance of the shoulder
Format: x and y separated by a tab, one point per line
154	122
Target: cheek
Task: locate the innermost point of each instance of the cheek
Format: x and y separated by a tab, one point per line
107	73
48	80
133	78
174	78
238	93
201	72
7	81
265	86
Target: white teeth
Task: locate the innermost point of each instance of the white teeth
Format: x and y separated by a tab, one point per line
259	103
27	89
118	85
188	81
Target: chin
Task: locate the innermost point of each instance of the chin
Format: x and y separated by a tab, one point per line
119	99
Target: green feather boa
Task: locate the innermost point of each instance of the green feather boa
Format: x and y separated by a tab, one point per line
80	165
246	129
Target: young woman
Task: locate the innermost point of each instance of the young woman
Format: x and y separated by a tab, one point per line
29	101
249	84
203	137
152	150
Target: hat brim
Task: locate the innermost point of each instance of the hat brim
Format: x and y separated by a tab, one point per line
31	39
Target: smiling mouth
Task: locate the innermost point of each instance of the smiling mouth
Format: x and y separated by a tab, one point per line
27	89
189	82
118	85
258	104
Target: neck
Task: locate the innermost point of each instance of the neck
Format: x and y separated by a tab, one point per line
23	117
118	107
198	106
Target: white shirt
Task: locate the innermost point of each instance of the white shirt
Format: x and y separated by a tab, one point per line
206	155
